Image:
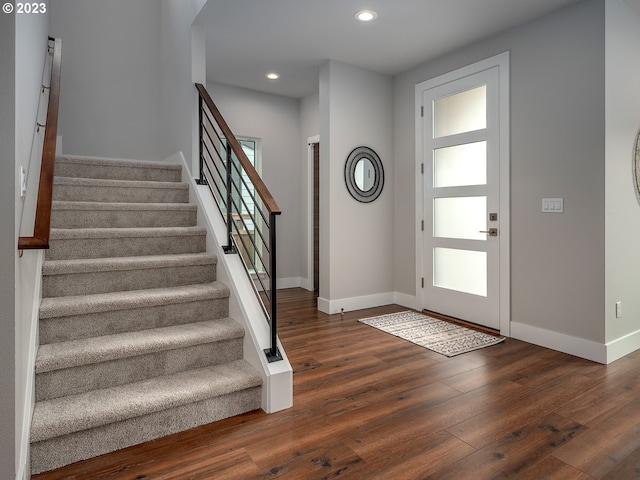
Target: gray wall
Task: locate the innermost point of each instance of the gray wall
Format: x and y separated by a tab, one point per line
557	150
275	121
7	248
111	78
178	94
356	239
623	209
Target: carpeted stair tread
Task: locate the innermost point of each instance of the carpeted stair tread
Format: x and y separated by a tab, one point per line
86	167
66	415
57	356
106	182
135	337
121	206
109	274
103	302
138	232
104	190
125	241
73	214
82	265
117	162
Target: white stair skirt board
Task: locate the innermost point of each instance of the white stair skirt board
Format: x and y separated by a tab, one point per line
244	307
29	392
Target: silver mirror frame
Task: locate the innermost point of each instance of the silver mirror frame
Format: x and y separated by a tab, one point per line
636	167
356	192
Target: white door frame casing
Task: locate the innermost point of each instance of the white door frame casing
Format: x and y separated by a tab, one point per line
308	282
502	62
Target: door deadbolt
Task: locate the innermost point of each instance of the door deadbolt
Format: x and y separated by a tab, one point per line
493	232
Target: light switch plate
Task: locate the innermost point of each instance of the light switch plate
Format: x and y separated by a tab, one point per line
553	205
23	182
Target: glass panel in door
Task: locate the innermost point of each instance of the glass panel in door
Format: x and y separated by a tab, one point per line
462	112
460	217
461	270
459	165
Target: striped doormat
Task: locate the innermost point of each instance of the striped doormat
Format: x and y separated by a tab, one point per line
442	337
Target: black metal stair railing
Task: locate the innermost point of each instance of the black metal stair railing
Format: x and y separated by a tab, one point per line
245	203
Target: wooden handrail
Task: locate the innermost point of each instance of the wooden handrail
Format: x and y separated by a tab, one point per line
253	175
42	227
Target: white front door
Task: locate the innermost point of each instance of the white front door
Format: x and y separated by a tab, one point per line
460	155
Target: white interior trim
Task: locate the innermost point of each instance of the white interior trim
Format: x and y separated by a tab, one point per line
355	303
502	62
289	282
623	346
24	462
561	342
308	282
409	301
244	307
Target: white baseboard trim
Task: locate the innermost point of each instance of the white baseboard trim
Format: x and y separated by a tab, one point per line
409	301
306	283
561	342
291	282
355	303
622	346
281	283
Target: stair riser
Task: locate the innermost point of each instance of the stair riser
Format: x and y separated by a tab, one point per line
76	380
117	281
59	451
124	247
114	172
118	194
75	327
122	218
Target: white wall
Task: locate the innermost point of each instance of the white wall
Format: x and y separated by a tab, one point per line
356	239
8	244
178	95
622	207
557	150
110	86
275	121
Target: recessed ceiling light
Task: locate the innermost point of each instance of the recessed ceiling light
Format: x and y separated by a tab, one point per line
366	16
272	76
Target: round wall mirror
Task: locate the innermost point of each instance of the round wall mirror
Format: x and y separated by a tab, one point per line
363	174
636	167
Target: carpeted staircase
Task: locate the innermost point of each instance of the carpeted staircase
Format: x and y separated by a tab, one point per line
135	339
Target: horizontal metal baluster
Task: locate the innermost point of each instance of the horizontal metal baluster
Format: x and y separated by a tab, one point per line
217	170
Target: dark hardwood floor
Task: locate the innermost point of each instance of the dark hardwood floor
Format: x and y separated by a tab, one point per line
368	405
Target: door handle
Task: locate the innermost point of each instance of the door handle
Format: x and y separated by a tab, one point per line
493	232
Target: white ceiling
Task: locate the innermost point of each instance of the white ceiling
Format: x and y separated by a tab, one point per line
248	38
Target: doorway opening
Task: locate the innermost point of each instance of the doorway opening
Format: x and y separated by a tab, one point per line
313	202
